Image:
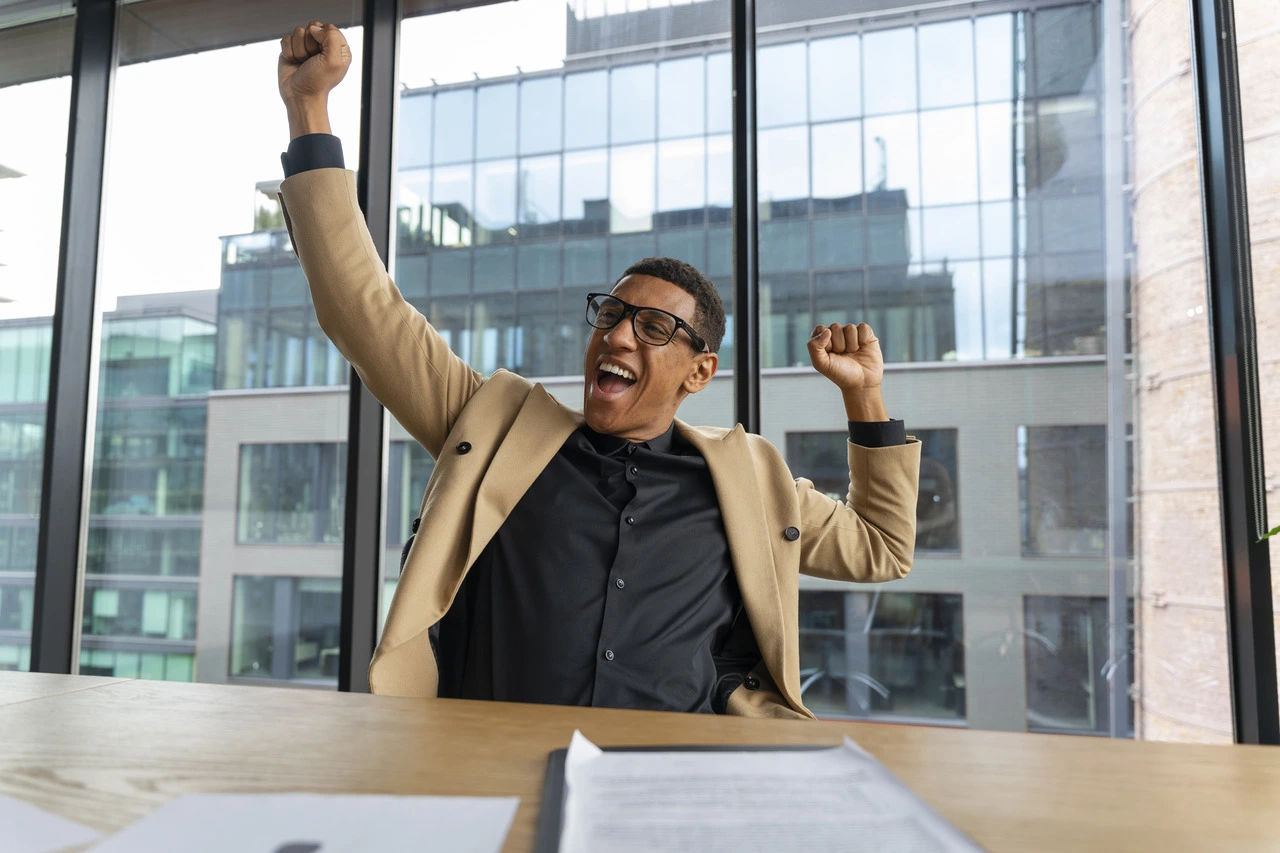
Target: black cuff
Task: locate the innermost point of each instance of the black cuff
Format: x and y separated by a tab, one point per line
312	151
877	433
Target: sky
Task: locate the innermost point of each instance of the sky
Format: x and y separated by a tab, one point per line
192	136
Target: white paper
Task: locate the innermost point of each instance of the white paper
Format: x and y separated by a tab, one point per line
27	829
319	823
838	799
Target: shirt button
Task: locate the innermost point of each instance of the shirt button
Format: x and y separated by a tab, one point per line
608	654
631	448
634	470
631	519
621	583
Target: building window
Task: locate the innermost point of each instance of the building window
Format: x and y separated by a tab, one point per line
16	601
823	458
291	494
1063	476
1068	661
157	666
156	614
15	657
286	628
896	655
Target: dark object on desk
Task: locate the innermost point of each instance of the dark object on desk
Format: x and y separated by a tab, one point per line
551	815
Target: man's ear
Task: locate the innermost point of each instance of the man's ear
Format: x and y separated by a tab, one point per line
704	367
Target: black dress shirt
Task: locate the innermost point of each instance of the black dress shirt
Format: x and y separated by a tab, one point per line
610	583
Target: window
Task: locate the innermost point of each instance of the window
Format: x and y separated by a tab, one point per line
32	170
122	611
1260	160
291	494
285	629
883	655
1063	486
1067	654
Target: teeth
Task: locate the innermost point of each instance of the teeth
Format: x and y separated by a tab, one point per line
620	371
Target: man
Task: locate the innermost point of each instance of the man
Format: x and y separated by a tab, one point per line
614	556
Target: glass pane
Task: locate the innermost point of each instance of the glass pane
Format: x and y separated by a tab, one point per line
682	94
837	167
623	152
682	184
783	157
495	201
631	103
454	121
836	76
193	491
1262	173
32	170
496	121
892	53
976	240
539	188
631	189
586	106
946	64
540	115
586	192
780	85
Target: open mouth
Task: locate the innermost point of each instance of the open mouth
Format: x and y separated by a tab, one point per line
613	380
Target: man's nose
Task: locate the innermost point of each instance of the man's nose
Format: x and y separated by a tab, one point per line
621	336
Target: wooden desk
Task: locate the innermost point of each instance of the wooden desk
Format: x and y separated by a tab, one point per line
107	755
25	686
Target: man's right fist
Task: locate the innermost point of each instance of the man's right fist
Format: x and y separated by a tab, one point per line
313	59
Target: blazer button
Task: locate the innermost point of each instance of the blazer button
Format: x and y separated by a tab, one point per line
416	522
463	447
751	682
791	533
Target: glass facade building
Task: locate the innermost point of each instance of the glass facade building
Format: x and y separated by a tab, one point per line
143	554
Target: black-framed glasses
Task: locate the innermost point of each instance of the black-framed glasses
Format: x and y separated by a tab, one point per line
651	325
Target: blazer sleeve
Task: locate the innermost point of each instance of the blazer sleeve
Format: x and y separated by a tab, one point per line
871	536
398	355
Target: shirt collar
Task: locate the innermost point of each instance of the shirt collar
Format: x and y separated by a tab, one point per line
612	445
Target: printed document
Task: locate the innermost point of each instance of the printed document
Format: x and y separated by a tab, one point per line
838	799
319	823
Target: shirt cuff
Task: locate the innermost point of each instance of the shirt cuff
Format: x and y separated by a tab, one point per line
312	151
877	433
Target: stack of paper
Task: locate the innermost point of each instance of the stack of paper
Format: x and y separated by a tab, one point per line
838	799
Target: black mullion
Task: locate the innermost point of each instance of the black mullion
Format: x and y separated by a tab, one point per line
74	343
362	544
746	226
1233	338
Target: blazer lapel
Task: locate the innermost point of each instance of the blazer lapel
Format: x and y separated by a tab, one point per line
729	461
539	430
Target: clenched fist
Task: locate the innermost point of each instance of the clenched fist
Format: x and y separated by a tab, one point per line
848	355
313	59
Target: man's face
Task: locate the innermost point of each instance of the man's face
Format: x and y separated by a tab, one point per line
643	408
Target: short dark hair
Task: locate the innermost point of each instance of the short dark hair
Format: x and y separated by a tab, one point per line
709	319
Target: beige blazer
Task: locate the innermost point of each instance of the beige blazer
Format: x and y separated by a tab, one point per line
514	427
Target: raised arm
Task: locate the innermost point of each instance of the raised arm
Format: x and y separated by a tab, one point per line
398	355
870	536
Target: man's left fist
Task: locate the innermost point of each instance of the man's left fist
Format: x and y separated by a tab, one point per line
848	355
